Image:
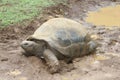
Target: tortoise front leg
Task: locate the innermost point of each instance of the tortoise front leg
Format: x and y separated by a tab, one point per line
26	54
51	60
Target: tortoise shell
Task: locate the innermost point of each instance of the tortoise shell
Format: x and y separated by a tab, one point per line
64	35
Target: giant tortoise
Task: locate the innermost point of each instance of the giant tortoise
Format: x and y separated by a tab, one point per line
59	39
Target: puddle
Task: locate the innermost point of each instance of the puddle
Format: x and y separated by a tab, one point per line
108	16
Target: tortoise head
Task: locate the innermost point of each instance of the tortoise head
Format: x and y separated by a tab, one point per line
32	48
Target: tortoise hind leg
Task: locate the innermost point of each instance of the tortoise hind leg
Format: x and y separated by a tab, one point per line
51	60
68	60
92	46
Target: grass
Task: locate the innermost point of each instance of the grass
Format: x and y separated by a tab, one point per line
14	11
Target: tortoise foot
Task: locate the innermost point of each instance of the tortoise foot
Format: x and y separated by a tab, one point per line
54	68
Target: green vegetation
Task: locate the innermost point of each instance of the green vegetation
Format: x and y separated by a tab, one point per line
14	11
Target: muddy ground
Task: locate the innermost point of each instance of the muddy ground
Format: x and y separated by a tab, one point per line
104	65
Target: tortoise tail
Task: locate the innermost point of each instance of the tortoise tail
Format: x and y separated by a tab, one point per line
92	46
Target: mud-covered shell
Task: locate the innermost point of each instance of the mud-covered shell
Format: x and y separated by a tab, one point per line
61	34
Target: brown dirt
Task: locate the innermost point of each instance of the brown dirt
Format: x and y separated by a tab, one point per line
102	66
